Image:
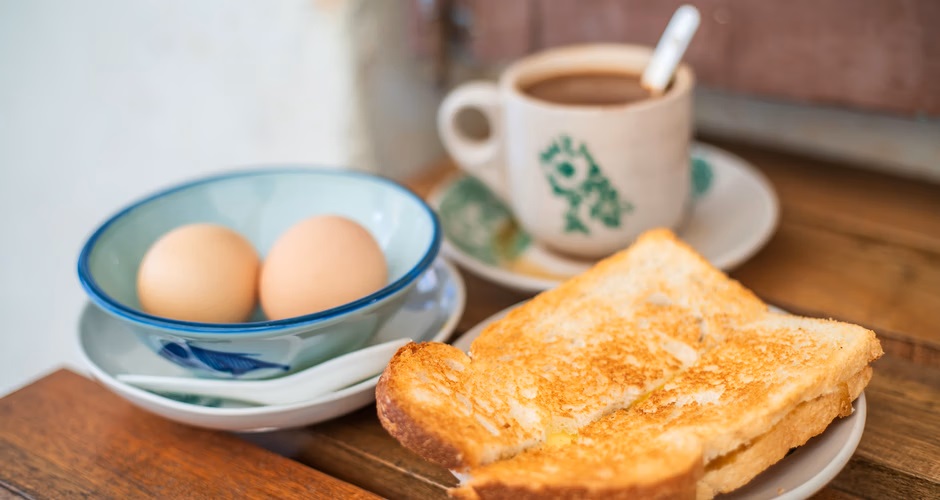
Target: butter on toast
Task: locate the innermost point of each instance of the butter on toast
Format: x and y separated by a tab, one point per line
651	375
566	358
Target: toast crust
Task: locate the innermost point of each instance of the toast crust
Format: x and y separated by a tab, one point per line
668	466
679	486
809	419
413	434
410	433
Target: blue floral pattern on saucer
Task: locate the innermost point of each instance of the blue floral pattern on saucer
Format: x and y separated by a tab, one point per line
233	363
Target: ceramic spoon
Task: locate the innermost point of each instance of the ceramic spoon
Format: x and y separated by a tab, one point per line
670	49
305	385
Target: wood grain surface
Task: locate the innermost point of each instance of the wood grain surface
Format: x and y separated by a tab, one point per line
67	437
857	246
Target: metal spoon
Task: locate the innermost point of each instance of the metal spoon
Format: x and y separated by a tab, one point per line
669	50
305	385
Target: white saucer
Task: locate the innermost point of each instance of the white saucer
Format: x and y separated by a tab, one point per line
799	475
430	313
734	213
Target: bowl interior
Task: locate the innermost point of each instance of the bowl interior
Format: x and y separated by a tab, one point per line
260	206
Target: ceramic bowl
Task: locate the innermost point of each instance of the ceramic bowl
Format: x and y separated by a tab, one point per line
430	314
261	205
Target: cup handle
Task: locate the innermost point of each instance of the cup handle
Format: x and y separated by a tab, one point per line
481	158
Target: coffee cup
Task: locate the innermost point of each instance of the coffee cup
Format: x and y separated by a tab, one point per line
585	158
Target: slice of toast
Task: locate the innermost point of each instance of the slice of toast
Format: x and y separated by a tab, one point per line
566	358
651	375
739	402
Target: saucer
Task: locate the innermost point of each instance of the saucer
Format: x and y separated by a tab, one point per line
430	313
800	474
733	214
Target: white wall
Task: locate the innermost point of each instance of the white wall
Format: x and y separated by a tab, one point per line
102	101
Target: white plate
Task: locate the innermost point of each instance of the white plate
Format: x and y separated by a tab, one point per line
734	213
799	475
430	313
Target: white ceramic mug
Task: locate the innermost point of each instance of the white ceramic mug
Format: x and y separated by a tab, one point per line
584	180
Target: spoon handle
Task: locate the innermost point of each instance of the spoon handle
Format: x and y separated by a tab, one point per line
305	385
246	390
669	50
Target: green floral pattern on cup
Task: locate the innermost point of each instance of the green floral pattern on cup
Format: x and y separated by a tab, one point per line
480	225
575	176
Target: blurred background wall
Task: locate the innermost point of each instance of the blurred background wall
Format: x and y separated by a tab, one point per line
102	101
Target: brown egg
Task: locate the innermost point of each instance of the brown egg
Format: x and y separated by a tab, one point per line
199	272
319	263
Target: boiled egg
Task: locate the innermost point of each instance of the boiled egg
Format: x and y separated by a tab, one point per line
199	272
319	263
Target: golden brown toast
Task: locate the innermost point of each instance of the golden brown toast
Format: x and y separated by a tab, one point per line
730	400
644	377
564	359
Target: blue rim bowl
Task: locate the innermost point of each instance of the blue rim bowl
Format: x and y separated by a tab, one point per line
262	327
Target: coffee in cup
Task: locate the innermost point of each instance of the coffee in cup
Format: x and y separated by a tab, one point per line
589	89
585	157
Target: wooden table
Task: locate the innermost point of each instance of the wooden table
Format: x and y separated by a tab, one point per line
852	245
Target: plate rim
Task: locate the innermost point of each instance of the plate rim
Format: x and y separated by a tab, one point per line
824	476
531	284
268	410
759	238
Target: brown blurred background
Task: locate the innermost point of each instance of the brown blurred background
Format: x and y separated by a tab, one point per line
880	55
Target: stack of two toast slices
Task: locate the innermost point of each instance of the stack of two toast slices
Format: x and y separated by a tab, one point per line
652	375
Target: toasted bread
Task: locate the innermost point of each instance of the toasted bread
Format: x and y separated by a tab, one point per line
649	375
564	359
732	399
